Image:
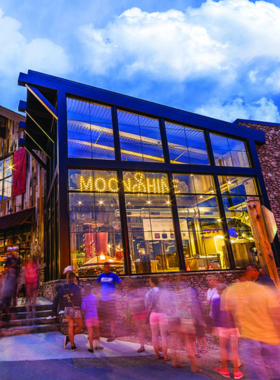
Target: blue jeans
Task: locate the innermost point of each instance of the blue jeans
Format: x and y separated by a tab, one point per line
261	360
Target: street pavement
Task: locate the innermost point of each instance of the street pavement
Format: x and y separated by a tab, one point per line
42	357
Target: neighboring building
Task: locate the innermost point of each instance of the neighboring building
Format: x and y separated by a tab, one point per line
21	196
150	188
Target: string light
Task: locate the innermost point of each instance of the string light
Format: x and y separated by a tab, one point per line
103	184
110	185
84	186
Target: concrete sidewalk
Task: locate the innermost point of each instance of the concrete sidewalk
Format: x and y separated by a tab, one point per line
42	357
47	346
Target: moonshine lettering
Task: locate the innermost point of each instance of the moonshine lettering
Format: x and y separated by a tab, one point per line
137	183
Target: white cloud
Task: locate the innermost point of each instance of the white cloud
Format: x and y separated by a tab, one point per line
18	54
220	40
262	110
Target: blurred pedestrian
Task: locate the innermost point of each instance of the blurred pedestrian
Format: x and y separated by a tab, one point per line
256	311
199	323
154	302
139	315
107	304
228	336
187	324
32	277
212	293
22	285
8	285
253	274
14	262
71	294
89	308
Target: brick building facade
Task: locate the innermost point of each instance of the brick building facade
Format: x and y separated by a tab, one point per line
269	157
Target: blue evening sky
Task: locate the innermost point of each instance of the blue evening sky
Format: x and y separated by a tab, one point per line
217	58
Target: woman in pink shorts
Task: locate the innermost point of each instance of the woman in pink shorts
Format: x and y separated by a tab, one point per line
89	308
158	319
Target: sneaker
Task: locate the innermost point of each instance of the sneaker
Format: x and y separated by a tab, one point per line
66	341
74	348
50	317
91	350
111	338
222	371
61	312
238	375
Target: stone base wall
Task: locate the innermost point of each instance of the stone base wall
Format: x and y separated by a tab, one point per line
174	281
269	157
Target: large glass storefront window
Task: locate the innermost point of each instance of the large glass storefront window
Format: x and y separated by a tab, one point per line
186	145
90	130
150	223
6	178
235	192
229	152
140	138
200	222
95	228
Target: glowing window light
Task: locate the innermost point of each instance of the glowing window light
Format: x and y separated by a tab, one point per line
97	183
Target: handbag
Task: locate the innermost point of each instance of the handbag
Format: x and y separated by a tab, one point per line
77	309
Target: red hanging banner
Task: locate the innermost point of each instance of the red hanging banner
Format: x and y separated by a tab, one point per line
19	172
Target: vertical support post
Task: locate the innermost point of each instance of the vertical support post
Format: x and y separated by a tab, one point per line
126	248
220	201
224	222
261	240
116	133
164	141
63	255
175	216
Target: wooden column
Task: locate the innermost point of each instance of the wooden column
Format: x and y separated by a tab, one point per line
263	245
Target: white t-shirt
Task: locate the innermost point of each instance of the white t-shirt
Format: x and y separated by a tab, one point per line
211	295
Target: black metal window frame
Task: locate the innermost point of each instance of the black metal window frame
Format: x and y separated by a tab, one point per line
57	90
165	168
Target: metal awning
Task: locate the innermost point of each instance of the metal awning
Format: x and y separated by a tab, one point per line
17	218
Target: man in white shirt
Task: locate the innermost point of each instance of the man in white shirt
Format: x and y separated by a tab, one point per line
212	292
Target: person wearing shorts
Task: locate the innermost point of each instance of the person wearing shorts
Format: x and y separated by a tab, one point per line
107	305
228	333
158	319
139	315
89	308
72	300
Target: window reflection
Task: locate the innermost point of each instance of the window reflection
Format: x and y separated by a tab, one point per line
6	178
229	152
235	192
186	145
150	225
90	131
237	185
200	223
140	138
95	228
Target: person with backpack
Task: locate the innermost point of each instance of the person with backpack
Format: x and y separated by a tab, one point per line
157	318
32	277
72	300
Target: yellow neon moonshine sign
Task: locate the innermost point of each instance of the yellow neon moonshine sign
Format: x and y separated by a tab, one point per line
138	183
